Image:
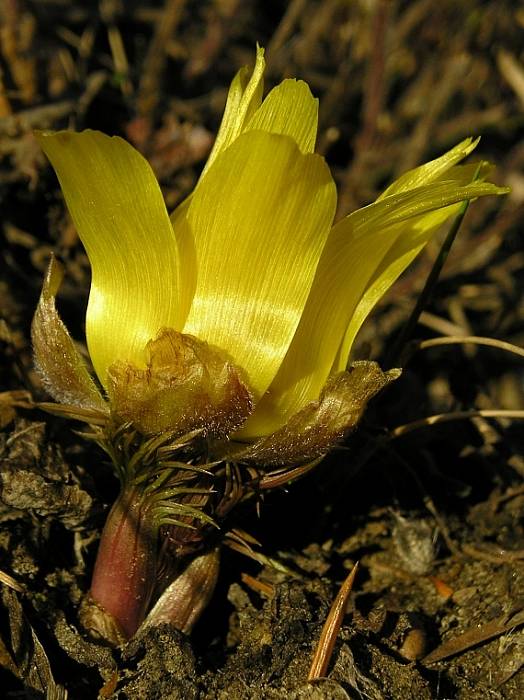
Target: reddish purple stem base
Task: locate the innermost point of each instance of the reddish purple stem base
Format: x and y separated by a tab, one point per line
125	568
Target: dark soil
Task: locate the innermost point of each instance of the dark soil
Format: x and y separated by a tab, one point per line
435	516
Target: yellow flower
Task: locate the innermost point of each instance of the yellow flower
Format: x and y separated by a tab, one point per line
250	263
233	317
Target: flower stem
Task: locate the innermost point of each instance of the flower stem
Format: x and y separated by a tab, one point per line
125	568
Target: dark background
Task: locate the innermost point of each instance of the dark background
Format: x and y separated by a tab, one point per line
399	83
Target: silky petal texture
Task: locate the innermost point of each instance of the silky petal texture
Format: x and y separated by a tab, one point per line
406	248
61	366
119	212
408	244
186	250
431	171
262	207
354	251
244	97
289	109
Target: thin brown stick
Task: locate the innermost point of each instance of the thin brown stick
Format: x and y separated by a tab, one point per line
445	82
35	117
9	581
473	340
454	415
473	636
282	477
119	56
373	98
294	10
149	88
331	628
265	589
441	325
493	554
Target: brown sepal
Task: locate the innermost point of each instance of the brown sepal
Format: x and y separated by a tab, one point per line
186	385
62	368
316	428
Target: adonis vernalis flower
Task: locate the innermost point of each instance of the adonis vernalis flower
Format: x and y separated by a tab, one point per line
221	335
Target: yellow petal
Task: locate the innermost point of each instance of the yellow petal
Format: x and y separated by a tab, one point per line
343	273
260	218
119	212
61	366
431	171
244	97
187	272
289	109
408	244
350	261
